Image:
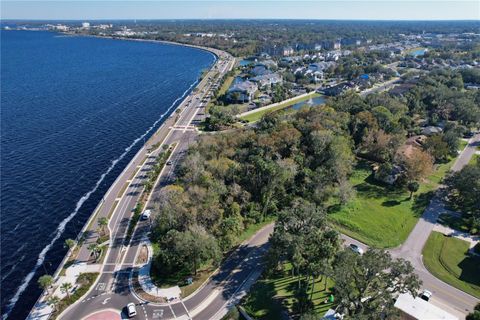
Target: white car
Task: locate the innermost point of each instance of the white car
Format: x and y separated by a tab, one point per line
355	248
132	312
426	295
146	214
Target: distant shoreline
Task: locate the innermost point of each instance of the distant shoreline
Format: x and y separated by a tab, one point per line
215	52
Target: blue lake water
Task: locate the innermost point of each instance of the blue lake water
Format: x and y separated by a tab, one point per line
245	62
418	52
311	102
72	109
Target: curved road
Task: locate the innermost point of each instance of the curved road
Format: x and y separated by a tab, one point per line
112	289
445	296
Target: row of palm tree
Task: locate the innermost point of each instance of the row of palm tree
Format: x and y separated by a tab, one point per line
46	281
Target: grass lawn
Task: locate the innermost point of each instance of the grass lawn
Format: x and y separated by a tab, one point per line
462	144
270	296
255	116
474	159
227	83
447	259
380	215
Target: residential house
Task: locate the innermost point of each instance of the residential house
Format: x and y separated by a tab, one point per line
287	51
431	130
267	79
242	91
259	69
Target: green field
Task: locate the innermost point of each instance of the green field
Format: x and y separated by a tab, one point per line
255	116
473	160
447	259
269	297
380	215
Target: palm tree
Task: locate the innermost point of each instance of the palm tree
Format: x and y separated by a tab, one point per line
65	287
95	249
69	243
53	301
102	223
45	281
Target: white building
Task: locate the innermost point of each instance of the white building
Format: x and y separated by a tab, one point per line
85	25
416	308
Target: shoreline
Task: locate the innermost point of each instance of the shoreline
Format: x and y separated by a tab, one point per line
182	98
213	51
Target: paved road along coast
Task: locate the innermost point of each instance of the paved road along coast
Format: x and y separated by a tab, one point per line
113	288
119	202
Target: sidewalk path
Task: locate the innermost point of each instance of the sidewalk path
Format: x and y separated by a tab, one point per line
146	281
471	239
412	248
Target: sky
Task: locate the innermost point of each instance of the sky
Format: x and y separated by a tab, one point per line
244	9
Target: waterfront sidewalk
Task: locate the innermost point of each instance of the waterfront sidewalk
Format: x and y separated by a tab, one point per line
146	282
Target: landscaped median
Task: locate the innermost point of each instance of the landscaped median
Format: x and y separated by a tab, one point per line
257	114
151	286
449	259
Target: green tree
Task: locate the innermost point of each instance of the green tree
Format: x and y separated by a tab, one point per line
53	302
65	288
102	224
437	147
413	187
69	243
475	315
302	236
463	190
45	281
366	285
187	249
95	249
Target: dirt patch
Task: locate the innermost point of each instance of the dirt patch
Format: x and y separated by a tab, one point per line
142	255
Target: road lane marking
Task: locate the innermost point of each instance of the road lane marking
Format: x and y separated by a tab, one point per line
185	307
174	316
157	314
101	286
105	301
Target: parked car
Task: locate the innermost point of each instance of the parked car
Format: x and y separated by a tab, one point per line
146	214
426	295
132	312
355	248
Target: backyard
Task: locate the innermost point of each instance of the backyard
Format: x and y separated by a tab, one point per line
447	258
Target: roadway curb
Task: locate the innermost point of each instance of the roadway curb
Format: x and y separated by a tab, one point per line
206	280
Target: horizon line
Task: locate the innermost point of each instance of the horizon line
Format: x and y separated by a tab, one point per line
235	19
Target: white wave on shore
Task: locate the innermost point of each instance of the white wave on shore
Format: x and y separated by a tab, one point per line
61	227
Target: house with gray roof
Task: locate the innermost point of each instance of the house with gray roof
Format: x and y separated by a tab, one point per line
267	79
242	91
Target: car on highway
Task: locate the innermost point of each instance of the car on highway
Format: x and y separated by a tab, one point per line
146	214
426	295
355	248
131	310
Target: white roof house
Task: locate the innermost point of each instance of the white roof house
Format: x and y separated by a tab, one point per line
416	308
